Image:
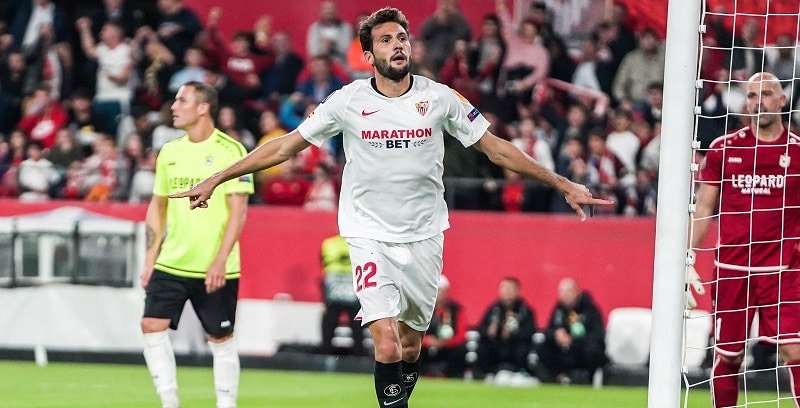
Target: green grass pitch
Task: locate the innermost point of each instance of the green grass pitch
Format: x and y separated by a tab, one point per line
23	384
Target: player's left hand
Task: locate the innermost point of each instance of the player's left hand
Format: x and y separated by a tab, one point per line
578	195
215	277
198	194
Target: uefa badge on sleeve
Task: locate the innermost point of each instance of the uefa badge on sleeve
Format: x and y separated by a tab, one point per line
784	161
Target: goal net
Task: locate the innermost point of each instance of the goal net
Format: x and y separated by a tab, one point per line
739	38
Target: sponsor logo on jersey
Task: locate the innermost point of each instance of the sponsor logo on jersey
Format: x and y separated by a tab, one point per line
246	178
422	107
365	113
397	133
757	184
733	159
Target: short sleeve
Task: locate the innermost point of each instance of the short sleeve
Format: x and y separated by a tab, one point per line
161	184
463	121
324	122
711	167
242	184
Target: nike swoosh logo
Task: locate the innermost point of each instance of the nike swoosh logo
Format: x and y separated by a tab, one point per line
365	113
387	403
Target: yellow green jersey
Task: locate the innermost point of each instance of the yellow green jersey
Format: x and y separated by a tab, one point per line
194	236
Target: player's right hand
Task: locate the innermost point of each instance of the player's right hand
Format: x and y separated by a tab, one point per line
693	283
198	194
144	277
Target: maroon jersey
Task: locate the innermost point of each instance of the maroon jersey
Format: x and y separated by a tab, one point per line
759	213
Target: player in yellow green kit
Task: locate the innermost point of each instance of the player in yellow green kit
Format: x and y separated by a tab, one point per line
193	256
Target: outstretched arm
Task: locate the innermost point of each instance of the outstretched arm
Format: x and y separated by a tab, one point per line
273	152
504	154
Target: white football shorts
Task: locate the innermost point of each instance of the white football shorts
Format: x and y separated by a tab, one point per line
397	280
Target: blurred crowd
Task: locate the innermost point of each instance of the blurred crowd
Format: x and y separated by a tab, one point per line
85	96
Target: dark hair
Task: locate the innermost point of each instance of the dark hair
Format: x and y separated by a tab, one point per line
206	94
512	279
599	132
34	143
384	15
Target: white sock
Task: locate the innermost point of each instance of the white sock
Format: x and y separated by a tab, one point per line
226	372
161	362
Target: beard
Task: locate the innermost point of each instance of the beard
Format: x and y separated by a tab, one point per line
387	70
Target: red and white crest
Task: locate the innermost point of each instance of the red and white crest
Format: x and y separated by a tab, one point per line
422	107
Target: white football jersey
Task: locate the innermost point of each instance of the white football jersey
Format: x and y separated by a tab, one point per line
392	186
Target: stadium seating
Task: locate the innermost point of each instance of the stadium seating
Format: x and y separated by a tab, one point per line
628	336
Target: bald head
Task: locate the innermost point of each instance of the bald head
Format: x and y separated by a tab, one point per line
568	292
765	100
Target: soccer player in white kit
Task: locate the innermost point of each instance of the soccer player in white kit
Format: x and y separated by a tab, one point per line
392	210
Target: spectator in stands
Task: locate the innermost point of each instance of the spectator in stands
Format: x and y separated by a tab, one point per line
649	156
486	55
115	79
193	70
571	163
82	120
14	156
585	75
164	131
31	20
506	331
621	39
330	35
290	188
132	157
66	151
513	192
653	105
642	196
624	143
321	82
228	121
279	81
357	66
528	141
270	128
119	12
562	66
441	31
422	63
521	69
36	175
540	15
242	67
786	65
144	178
43	117
607	170
575	125
13	86
341	303
323	192
443	349
640	68
100	178
574	345
457	74
162	51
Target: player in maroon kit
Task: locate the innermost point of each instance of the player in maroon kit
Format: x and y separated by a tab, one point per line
754	174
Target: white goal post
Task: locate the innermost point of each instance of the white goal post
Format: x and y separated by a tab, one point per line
680	77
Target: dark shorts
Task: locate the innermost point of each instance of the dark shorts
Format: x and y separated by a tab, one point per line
166	295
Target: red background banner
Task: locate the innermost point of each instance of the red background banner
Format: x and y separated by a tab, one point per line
610	257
